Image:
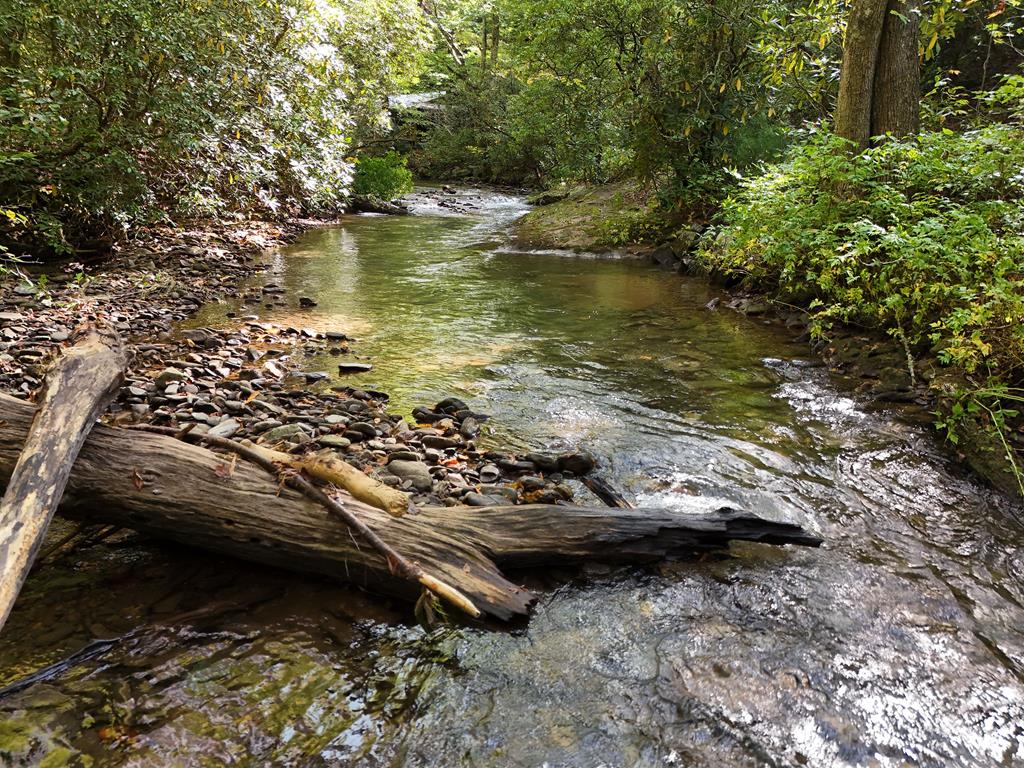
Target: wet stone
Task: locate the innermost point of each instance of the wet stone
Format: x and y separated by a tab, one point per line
579	463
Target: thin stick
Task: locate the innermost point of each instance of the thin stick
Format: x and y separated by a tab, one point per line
397	563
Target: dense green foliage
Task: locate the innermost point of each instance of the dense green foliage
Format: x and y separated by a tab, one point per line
922	238
112	109
591	90
385	177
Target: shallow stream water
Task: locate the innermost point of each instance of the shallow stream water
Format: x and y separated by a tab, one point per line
898	643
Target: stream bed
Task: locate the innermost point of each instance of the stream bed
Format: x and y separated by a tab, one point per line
899	643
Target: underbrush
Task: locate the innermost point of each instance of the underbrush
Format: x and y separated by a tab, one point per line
921	238
386	177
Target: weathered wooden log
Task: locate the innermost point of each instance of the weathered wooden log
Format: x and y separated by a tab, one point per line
76	391
284	473
181	492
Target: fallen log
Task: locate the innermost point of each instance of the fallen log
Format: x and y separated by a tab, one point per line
185	493
76	391
283	473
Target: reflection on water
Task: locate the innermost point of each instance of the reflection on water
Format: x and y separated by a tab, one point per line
900	643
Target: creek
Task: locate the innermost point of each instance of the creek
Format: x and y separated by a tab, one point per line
899	643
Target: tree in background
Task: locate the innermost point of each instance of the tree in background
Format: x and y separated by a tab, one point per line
880	86
116	111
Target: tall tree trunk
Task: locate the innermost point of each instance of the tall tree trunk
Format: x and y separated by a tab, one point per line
895	106
495	39
860	61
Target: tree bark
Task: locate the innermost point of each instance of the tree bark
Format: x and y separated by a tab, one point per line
76	391
896	99
181	492
860	62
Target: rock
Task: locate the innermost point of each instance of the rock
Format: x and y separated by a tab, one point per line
354	367
305	301
169	375
664	256
404	455
578	463
469	428
531	483
334	441
273	369
24	289
416	472
684	242
315	376
284	432
542	461
547	197
438	441
475	499
489	473
450	406
364	428
226	428
11	317
335	418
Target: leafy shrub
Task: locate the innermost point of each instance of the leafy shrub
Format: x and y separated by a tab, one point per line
112	112
922	238
386	177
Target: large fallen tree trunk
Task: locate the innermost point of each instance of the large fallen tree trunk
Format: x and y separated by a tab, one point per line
77	391
165	487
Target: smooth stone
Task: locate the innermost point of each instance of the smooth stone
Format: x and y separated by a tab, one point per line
170	375
404	455
579	463
415	472
475	499
438	441
489	473
450	405
284	432
226	428
542	461
368	430
334	441
470	428
354	367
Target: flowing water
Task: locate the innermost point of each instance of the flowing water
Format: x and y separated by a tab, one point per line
898	643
